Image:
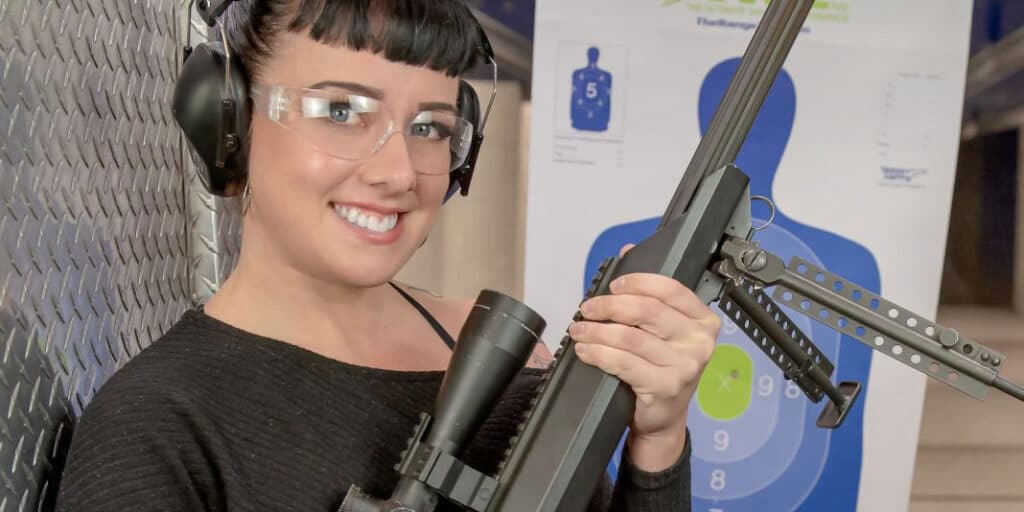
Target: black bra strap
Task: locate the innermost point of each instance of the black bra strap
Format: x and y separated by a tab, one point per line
430	318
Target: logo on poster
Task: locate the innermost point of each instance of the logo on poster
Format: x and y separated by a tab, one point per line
835	11
902	176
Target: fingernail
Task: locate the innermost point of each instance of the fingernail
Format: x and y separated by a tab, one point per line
581	349
577	328
618	284
586	308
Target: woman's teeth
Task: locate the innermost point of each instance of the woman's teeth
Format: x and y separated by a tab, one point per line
367	220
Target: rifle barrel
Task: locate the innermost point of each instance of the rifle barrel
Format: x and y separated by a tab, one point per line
762	61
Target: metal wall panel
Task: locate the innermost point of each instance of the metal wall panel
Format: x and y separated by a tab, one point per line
215	226
96	205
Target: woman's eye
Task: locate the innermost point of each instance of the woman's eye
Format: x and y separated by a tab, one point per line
425	130
342	113
430	130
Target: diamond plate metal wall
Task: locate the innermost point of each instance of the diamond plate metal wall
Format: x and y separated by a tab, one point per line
94	261
215	225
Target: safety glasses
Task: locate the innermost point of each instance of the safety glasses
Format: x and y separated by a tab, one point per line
352	126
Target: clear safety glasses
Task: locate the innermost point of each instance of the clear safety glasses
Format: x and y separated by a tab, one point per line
352	126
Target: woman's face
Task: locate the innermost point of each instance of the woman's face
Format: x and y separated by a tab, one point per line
307	206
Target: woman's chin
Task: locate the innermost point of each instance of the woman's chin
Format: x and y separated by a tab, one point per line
366	270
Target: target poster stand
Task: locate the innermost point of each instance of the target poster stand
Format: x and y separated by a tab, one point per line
865	112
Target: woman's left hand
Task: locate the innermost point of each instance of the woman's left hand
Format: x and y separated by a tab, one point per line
654	334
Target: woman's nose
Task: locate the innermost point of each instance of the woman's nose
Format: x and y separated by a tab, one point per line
390	166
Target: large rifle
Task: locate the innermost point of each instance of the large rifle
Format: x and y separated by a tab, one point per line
704	241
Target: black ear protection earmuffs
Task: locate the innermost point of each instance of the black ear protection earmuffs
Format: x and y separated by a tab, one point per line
211	105
469	108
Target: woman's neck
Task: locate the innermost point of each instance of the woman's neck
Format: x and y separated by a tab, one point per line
276	301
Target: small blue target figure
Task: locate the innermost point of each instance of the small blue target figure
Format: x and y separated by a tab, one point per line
591	95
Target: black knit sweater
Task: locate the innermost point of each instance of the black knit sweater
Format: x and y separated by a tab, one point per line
212	418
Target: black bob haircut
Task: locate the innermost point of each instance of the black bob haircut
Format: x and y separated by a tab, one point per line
442	35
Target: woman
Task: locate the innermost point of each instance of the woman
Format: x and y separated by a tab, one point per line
307	370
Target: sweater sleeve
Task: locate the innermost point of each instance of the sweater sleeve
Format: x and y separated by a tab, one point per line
636	490
137	448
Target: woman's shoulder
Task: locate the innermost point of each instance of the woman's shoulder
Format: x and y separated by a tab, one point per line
160	415
189	348
452	313
188	362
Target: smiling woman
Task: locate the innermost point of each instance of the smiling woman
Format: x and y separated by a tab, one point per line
307	370
319	147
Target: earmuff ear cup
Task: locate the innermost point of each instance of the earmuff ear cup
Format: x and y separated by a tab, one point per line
214	117
469	109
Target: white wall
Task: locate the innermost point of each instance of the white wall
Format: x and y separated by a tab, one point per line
478	240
